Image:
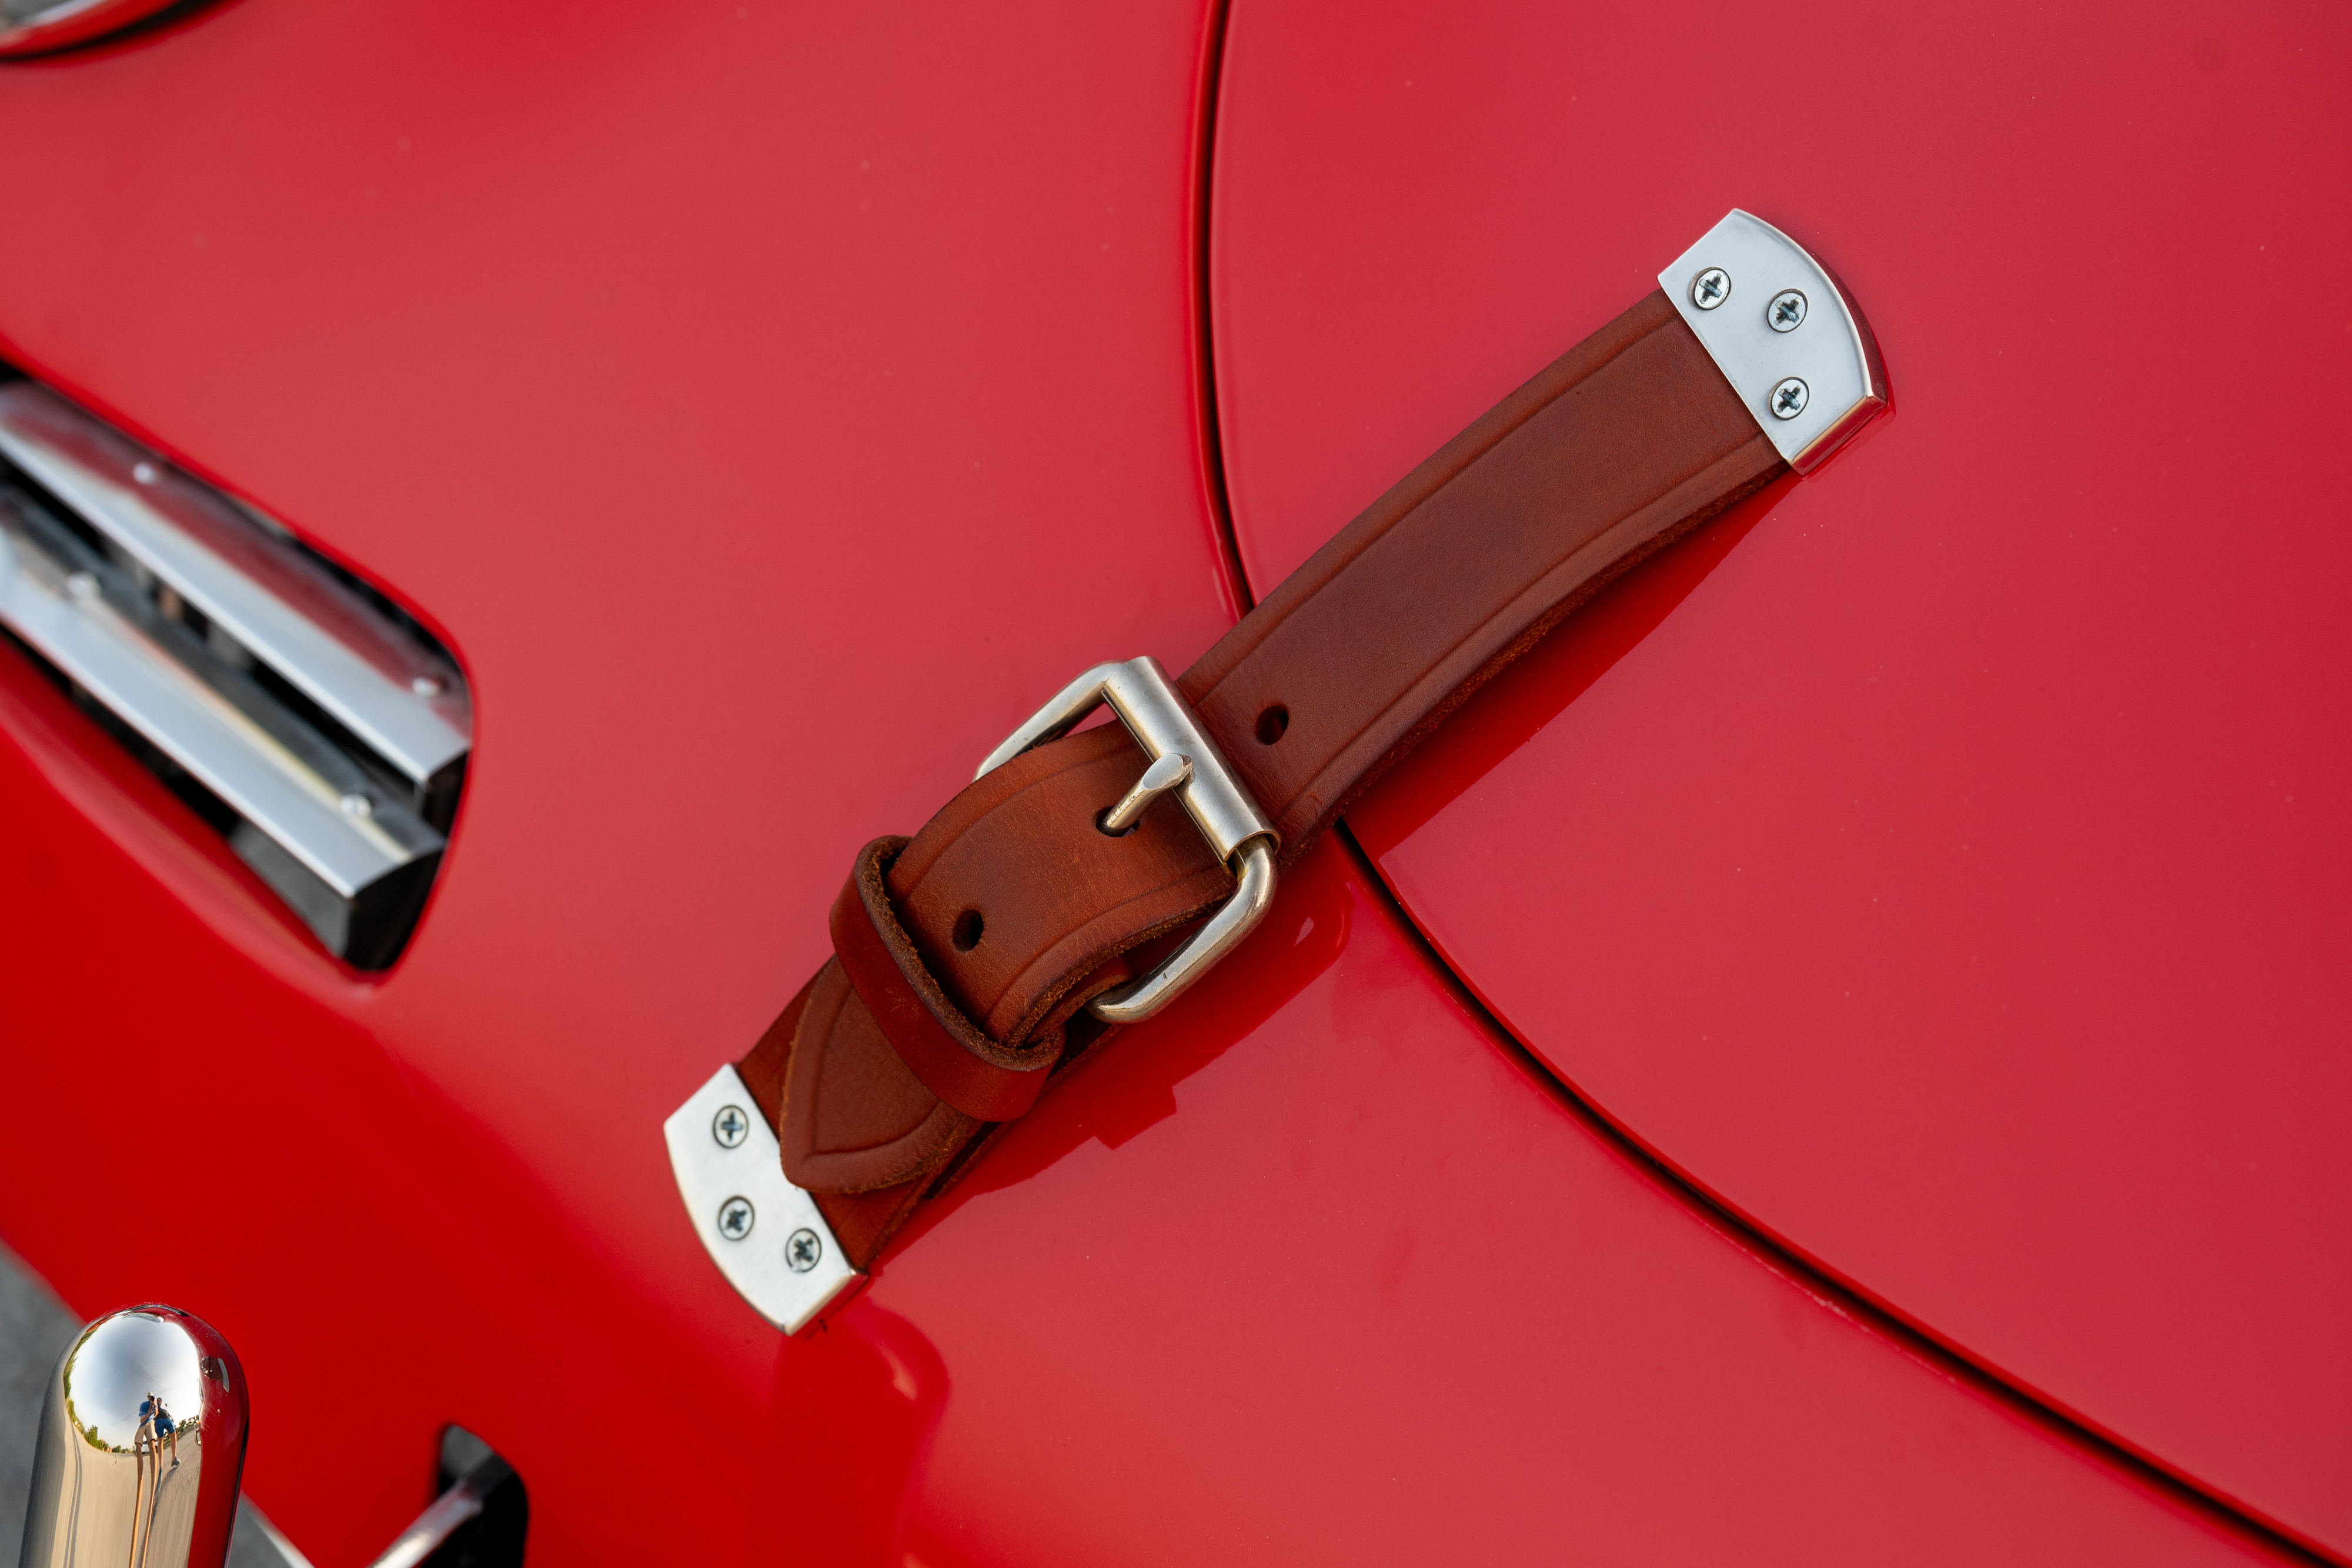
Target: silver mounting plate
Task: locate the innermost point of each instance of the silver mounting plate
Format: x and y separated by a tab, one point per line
764	1233
1732	287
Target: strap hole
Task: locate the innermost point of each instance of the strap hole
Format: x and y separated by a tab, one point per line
1111	833
968	927
1272	723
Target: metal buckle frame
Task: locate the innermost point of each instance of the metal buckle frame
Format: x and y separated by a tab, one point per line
1184	760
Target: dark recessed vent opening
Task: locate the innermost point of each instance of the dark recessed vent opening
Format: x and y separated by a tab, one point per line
312	722
491	1537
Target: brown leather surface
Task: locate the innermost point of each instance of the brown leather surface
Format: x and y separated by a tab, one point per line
854	1117
1012	907
939	1045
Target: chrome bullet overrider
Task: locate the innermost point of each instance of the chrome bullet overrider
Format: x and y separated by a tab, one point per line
140	1446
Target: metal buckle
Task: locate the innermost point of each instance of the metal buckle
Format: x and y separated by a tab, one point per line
1186	761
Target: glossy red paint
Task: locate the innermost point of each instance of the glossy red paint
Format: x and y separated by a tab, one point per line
766	405
769	407
1415	1265
1310	1270
1943	859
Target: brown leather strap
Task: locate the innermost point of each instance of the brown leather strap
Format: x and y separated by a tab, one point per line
965	953
939	1046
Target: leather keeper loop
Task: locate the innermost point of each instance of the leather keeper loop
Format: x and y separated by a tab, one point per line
939	1046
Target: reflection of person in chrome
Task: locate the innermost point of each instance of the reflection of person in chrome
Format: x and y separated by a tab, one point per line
156	1429
166	1431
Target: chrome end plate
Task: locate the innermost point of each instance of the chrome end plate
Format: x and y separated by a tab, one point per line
765	1234
1783	333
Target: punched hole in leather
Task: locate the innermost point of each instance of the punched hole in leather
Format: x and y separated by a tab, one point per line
910	1045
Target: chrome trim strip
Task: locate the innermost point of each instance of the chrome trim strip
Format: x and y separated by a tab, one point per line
431	1529
36	26
1828	352
77	613
775	1249
392	694
465	1501
276	1537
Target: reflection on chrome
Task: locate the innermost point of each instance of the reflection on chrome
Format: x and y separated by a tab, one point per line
36	26
141	1444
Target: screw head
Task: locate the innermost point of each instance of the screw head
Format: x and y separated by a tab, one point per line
425	687
1787	311
1789	399
735	1219
357	805
730	1126
146	473
802	1251
82	585
1710	289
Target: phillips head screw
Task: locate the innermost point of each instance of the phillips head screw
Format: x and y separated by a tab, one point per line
802	1251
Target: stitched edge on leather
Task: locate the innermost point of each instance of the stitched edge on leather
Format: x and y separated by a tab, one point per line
1433	474
920	1150
1610	545
763	1067
874	1221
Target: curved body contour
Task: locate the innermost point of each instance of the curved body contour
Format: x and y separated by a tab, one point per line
771	406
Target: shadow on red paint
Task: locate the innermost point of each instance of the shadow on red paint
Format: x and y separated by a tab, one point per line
1508	711
1128	1083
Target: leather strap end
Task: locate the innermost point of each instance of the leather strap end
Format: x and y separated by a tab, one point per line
763	1070
940	1046
853	1118
863	1222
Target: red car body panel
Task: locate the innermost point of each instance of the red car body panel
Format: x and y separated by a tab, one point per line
770	408
765	408
1944	863
1429	1309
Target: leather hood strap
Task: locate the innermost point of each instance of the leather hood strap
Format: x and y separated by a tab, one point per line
965	954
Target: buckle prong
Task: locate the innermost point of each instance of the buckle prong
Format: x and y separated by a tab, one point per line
1163	776
1184	761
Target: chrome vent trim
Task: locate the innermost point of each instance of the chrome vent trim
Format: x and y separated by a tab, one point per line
325	737
394	694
